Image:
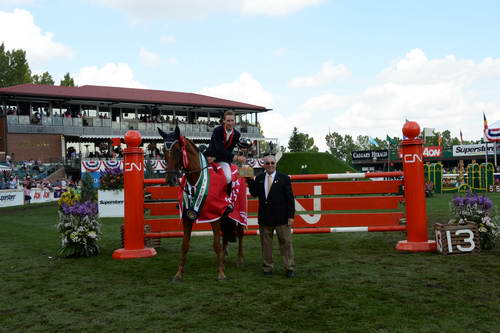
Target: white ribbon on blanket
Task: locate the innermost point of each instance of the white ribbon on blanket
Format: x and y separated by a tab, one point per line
194	196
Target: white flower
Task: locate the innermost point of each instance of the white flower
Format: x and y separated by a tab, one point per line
483	229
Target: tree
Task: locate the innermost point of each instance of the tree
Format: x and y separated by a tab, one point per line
14	68
45	78
4	66
296	142
341	146
67	81
301	142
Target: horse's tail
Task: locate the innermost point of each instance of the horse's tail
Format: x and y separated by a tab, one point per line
228	227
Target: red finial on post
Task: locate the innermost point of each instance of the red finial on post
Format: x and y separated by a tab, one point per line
133	179
411	129
413	168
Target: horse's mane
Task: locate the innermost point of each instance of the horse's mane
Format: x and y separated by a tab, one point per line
192	144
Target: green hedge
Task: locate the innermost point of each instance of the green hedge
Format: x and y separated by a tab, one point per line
291	164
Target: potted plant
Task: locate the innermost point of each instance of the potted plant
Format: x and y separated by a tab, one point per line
78	226
477	209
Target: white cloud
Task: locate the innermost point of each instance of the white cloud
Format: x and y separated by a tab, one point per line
152	59
167	39
148	58
442	93
19	31
328	73
246	90
275	7
111	74
173	9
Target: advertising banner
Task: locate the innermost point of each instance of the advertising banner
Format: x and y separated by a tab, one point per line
473	150
111	203
11	198
358	155
41	195
429	151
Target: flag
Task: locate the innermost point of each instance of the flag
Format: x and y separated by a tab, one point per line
461	137
391	141
485	122
372	141
440	139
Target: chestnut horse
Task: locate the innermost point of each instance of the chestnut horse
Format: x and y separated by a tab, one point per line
183	157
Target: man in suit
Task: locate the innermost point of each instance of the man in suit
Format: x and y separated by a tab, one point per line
276	212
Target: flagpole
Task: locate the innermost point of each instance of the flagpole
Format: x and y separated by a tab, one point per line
495	155
388	157
486	153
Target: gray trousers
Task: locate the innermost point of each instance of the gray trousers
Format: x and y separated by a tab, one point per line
285	243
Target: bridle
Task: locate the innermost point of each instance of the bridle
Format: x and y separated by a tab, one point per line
185	160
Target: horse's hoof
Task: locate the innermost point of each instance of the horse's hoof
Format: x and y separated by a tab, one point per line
177	279
222	278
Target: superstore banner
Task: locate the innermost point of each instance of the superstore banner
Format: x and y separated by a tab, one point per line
473	150
11	198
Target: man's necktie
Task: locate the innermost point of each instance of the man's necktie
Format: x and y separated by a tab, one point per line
269	184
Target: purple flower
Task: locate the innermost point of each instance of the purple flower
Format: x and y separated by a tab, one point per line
81	209
458	201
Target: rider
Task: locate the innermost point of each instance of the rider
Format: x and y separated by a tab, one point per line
224	139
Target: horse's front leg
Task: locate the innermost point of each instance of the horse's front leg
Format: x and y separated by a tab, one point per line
187	228
218	249
240	233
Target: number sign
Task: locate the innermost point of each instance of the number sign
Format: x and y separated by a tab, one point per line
457	239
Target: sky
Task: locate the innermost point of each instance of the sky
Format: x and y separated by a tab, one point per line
353	67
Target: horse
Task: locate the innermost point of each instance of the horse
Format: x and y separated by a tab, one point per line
183	157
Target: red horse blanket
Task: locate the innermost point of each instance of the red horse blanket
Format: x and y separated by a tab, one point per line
217	201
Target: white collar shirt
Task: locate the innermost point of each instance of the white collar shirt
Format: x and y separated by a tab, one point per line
266	181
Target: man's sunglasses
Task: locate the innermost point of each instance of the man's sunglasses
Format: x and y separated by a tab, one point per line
270	163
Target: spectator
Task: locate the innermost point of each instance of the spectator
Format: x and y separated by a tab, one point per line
27	194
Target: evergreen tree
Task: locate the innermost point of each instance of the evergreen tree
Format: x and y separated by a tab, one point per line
296	142
67	81
88	191
45	78
4	67
301	142
19	71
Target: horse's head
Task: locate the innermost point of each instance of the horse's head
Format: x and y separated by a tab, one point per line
180	154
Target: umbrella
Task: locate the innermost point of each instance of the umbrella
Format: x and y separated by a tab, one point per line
492	133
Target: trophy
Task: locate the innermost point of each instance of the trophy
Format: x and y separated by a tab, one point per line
245	170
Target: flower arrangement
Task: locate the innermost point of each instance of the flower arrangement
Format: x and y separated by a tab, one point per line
78	225
111	179
478	209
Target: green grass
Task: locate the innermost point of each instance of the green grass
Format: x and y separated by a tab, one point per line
346	283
